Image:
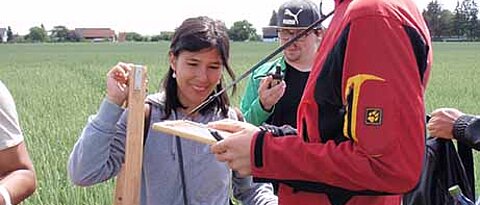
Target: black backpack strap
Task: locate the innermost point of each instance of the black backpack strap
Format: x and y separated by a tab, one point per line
466	158
147	124
154	101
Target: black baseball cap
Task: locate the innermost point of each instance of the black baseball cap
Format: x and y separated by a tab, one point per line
297	14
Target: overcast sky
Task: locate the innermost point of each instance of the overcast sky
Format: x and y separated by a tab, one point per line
147	17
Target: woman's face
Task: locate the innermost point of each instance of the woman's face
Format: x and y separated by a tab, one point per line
197	75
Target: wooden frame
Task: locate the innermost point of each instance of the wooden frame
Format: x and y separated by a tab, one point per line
189	130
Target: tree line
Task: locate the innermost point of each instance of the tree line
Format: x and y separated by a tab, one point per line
460	25
240	31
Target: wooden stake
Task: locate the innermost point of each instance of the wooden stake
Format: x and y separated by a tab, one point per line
120	183
127	190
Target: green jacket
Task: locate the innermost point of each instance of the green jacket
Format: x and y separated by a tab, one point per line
250	104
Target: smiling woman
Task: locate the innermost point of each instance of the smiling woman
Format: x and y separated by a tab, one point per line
197	74
198	55
172	167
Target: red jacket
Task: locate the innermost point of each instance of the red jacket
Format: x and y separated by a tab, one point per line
361	120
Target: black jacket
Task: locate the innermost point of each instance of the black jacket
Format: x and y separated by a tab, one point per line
467	130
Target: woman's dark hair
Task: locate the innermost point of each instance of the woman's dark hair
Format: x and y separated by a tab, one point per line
194	35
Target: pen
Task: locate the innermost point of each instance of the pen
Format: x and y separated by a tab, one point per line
215	135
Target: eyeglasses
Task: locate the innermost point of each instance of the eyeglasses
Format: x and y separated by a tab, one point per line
286	34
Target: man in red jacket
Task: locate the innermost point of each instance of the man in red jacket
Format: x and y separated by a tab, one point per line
361	120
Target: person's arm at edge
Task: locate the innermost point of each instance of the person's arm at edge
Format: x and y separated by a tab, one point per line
251	193
17	174
466	129
99	152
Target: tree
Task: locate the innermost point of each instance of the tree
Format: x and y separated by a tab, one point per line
255	37
18	38
155	38
73	36
241	31
438	20
432	16
59	34
446	20
465	21
37	34
166	35
478	30
472	25
47	38
459	20
132	36
273	19
9	34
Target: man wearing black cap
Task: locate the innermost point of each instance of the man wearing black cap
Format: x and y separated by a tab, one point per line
361	119
275	103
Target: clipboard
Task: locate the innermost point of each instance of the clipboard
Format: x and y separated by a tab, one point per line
191	130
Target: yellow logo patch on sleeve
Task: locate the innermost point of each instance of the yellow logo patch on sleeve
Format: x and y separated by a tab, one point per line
373	116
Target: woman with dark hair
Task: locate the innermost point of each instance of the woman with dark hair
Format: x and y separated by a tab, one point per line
175	171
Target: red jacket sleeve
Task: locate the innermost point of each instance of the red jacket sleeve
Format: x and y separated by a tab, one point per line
384	120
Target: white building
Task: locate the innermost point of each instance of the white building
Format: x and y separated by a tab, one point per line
3	35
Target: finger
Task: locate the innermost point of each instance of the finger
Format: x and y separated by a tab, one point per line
226	125
219	148
278	84
434	112
234	165
264	84
122	87
278	90
145	83
120	77
432	130
429	126
118	73
225	157
125	68
230	164
244	173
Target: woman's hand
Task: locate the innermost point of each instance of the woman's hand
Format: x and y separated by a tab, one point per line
117	83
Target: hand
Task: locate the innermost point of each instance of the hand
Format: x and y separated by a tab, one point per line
117	83
235	150
270	94
441	123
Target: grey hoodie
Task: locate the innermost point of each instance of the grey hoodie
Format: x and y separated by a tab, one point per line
99	153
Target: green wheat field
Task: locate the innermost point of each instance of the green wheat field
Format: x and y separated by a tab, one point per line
57	86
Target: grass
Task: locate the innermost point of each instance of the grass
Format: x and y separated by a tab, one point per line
57	86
